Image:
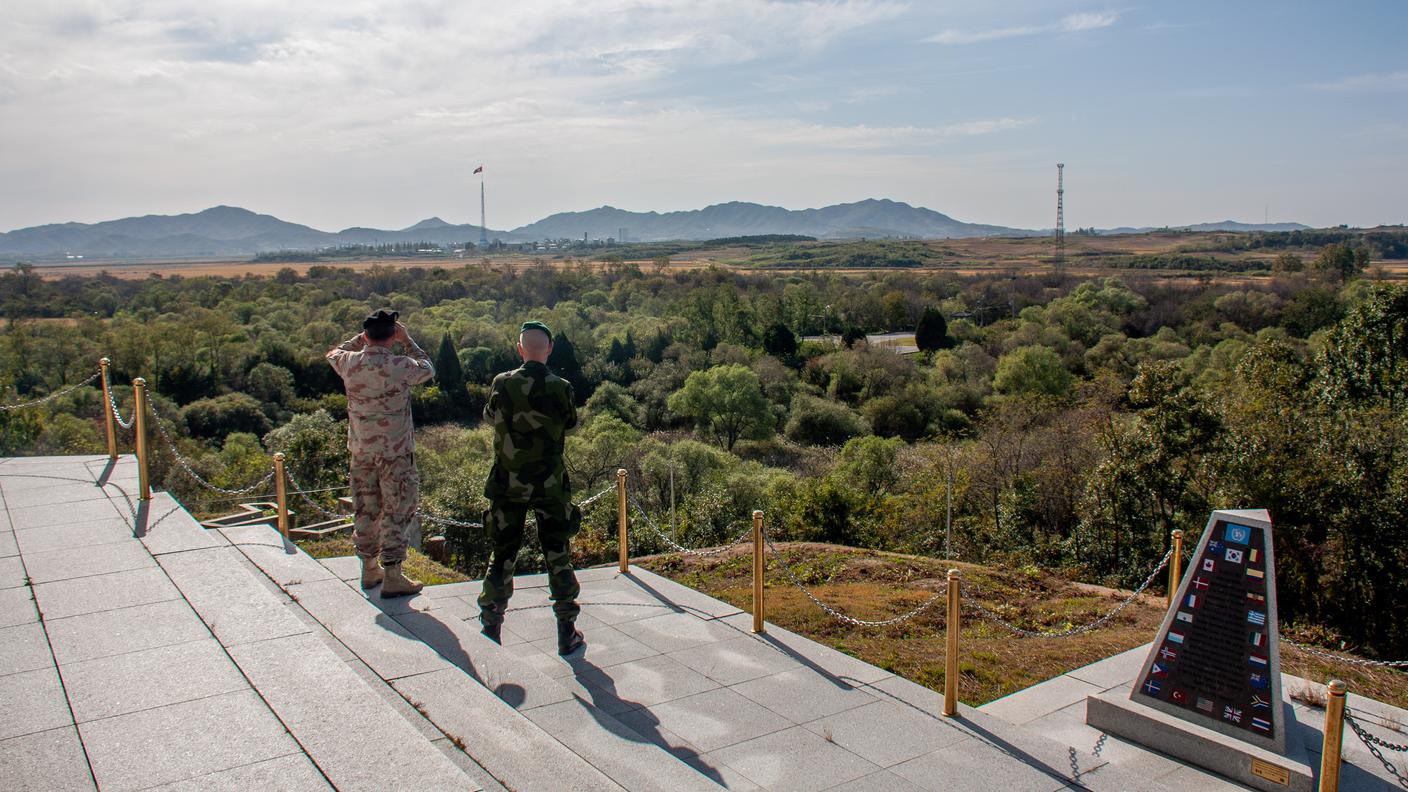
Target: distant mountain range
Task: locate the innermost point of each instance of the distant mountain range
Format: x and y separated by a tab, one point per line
231	231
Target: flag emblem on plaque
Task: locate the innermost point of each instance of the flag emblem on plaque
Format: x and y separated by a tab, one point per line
1260	703
1258	638
1255	597
1256	617
1192	600
1257	662
1262	724
1237	534
1175	637
1256	573
1259	681
1252	555
1185	616
1152	687
1168	654
1200	583
1233	555
1209	565
1232	713
1205	704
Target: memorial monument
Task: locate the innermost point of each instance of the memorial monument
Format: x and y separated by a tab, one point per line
1209	692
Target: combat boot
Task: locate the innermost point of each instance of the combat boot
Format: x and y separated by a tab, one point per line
569	638
371	573
397	584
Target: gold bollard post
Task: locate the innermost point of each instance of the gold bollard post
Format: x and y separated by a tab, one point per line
951	651
144	481
1334	735
758	573
1175	566
621	541
107	410
281	493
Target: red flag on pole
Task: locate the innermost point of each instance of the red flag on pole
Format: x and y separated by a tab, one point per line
479	169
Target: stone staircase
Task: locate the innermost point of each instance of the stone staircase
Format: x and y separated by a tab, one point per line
169	655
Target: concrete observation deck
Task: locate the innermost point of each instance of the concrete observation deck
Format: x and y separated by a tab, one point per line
140	651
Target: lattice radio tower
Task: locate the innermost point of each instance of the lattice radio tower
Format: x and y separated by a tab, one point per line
1060	258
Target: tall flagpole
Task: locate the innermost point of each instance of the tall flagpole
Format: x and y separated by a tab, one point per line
483	230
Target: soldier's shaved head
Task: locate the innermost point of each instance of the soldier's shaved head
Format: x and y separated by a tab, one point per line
534	345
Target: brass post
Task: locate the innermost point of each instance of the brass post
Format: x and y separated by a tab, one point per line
1175	566
1334	735
758	573
622	544
281	492
144	480
951	651
107	410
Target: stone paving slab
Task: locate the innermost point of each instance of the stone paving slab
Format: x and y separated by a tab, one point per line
513	749
51	493
674	631
43	515
17	607
229	596
681	597
34	702
810	653
357	739
794	760
171	529
705	721
132	682
617	750
293	772
886	733
975	766
93	635
75	562
47	761
101	531
8	547
375	637
1041	699
801	695
280	559
24	648
640	683
183	741
12	572
736	660
77	596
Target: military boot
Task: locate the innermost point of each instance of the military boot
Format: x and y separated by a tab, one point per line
569	638
493	632
371	573
397	584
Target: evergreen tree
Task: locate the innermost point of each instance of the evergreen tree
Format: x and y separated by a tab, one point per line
932	331
779	341
563	360
447	366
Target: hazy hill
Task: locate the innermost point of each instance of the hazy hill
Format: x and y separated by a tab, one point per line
868	218
1225	225
231	231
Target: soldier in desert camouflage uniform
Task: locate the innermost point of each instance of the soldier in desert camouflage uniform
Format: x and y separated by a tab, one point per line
531	409
381	439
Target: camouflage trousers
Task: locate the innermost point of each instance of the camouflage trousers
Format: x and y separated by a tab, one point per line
558	522
385	496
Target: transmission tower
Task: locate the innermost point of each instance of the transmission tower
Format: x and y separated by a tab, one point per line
1060	258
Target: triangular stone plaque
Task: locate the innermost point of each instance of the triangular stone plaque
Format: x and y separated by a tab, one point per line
1217	660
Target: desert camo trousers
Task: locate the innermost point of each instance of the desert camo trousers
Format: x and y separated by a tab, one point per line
385	495
558	522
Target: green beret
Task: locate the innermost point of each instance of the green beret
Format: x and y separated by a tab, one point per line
535	325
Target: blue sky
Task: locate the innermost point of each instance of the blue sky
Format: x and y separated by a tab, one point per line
360	112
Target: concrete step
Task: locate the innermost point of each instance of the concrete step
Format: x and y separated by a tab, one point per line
356	736
522	677
509	750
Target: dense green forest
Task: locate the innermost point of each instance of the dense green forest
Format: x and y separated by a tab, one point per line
1078	420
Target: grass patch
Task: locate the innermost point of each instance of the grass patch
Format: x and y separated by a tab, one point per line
871	585
418	565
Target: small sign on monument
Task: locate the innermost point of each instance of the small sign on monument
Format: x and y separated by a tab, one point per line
1216	661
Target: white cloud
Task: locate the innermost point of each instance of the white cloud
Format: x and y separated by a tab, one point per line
1367	83
1072	23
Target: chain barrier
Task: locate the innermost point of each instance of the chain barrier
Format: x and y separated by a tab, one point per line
1354	661
838	615
50	397
1374	744
679	548
1092	626
185	464
302	493
112	405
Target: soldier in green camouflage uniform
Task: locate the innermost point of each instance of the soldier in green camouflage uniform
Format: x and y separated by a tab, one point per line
531	409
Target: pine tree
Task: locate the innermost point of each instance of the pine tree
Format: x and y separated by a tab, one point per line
932	331
447	367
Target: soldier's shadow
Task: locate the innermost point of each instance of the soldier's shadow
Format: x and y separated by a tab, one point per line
640	724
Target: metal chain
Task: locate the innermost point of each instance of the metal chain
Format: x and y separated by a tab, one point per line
838	615
112	405
302	493
1374	744
1354	661
593	499
185	464
679	548
49	398
1092	626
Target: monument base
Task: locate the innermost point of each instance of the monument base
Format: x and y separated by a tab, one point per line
1112	712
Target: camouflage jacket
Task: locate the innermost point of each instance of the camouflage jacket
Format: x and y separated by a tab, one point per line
378	385
531	410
